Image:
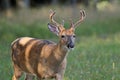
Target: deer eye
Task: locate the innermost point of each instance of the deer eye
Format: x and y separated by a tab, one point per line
63	36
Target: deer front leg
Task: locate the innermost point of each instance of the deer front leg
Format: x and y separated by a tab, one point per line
59	77
39	78
61	71
29	77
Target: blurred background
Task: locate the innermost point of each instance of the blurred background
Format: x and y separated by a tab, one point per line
97	52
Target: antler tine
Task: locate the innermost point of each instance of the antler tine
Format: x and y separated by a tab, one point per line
72	24
52	13
63	22
83	15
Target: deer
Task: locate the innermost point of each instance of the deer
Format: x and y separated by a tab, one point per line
44	59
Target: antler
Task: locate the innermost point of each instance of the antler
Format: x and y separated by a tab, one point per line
52	13
83	15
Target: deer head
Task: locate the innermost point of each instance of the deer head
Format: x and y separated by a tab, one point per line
67	36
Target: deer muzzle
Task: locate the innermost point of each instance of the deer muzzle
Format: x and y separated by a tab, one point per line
70	43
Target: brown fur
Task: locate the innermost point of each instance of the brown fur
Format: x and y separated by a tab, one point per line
37	57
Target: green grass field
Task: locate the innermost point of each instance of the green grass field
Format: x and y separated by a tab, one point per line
95	57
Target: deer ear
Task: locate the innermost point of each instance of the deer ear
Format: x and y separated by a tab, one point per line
53	28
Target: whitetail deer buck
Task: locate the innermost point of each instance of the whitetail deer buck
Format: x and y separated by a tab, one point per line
43	58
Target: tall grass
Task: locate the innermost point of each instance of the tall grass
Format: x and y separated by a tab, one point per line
95	57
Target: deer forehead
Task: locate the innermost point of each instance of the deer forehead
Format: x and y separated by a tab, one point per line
67	32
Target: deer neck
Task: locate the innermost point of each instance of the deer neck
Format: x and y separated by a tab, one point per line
61	52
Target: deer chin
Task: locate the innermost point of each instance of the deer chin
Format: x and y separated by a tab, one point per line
71	48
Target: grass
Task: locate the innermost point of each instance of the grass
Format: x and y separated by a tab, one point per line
95	57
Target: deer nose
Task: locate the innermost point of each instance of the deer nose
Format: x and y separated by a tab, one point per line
70	45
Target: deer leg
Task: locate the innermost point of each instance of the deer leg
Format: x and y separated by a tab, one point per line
29	77
17	73
39	78
61	71
58	77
